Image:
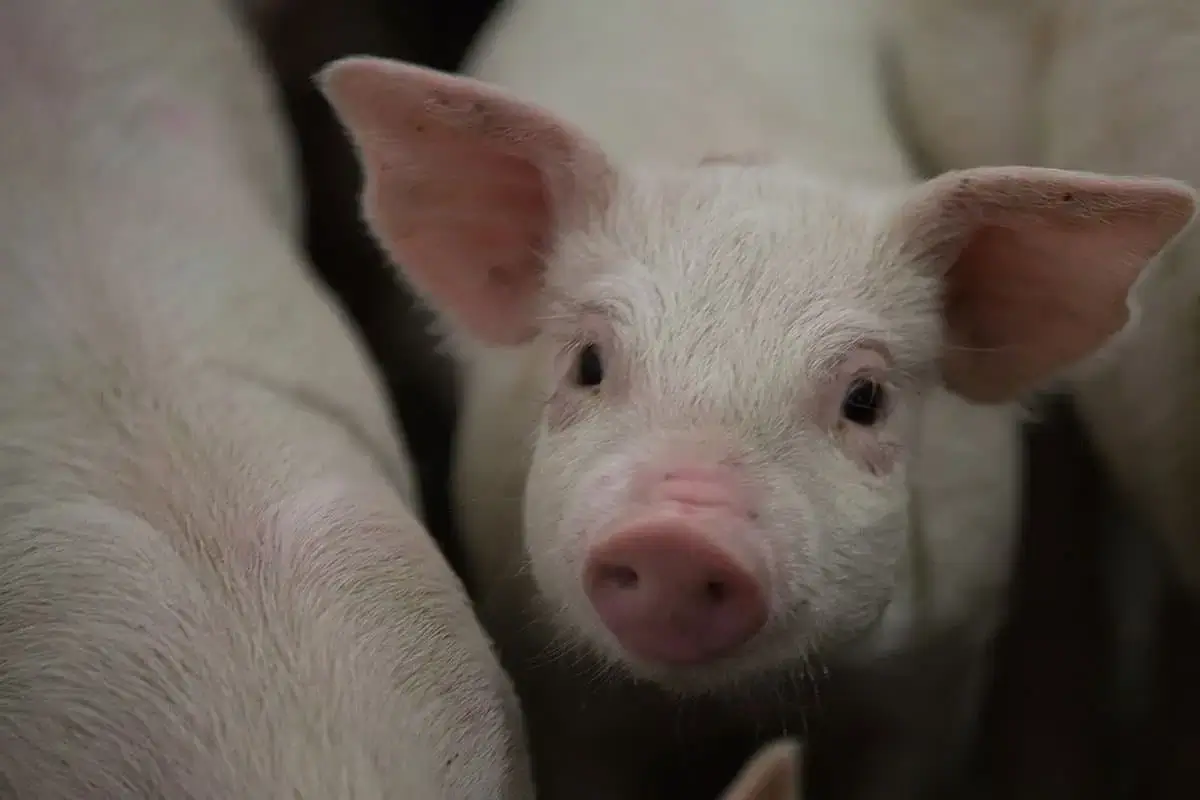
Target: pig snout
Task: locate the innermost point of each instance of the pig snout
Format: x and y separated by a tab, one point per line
679	584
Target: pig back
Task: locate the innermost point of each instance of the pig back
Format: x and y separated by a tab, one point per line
151	131
740	77
214	583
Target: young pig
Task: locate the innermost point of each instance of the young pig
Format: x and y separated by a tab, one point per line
212	582
706	403
1090	85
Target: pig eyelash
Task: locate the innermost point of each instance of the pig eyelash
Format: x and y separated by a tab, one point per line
586	358
584	375
866	401
866	391
570	394
587	370
583	365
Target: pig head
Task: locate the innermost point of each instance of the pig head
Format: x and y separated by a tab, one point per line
732	358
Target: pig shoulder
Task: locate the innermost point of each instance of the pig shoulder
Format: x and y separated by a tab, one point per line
197	575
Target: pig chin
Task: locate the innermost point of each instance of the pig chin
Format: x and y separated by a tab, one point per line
771	653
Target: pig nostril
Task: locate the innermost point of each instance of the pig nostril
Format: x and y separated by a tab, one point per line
618	576
716	591
670	595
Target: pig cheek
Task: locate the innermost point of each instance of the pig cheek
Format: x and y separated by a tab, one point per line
577	488
842	568
555	539
552	553
552	474
868	553
791	539
875	451
566	408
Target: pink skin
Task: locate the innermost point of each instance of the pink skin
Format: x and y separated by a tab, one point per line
681	579
677	584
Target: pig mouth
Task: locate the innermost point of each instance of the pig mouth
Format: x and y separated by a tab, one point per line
734	675
762	660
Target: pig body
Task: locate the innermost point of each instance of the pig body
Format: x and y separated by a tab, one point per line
214	581
740	395
1097	85
759	80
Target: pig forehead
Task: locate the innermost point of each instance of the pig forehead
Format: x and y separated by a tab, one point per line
734	265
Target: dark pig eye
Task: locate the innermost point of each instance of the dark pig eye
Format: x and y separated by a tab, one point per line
863	403
589	369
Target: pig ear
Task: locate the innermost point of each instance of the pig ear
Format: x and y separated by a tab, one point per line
772	774
1037	265
465	187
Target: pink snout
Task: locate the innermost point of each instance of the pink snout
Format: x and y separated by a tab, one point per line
676	587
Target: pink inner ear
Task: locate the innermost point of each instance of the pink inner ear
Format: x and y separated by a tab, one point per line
464	186
1043	276
1034	317
469	228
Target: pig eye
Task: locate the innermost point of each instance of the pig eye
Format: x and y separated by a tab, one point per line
863	403
589	369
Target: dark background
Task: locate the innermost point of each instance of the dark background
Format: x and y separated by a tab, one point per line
1097	685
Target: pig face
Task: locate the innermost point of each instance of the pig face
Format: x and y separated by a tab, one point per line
732	355
718	482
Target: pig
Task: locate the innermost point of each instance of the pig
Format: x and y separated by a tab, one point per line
213	578
741	397
1091	85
